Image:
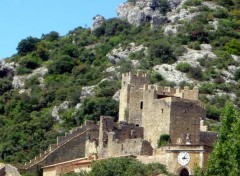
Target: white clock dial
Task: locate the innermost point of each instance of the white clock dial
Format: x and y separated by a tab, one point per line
183	158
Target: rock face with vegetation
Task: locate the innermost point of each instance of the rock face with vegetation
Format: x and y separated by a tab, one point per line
199	45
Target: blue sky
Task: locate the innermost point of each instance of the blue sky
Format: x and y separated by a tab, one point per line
22	18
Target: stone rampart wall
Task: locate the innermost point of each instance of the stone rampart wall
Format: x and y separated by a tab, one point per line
207	137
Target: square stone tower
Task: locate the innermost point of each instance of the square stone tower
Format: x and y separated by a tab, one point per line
171	111
131	97
161	110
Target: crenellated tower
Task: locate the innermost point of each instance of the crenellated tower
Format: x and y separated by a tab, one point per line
130	96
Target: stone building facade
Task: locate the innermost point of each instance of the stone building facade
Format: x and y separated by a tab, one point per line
146	112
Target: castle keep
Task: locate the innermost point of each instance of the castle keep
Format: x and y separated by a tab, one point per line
146	112
161	110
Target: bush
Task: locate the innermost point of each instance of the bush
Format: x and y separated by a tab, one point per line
213	112
179	50
193	2
62	65
30	62
5	85
161	52
20	70
196	73
183	67
207	88
107	88
163	140
233	47
52	36
194	45
164	6
93	108
237	75
220	13
156	77
126	167
27	45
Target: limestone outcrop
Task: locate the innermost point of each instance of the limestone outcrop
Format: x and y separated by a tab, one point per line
141	11
138	12
97	22
19	81
7	69
121	53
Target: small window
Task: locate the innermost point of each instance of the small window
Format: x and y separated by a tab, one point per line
141	105
162	111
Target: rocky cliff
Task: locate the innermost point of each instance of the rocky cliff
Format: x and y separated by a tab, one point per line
140	11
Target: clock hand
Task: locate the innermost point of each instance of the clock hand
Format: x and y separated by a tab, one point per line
185	156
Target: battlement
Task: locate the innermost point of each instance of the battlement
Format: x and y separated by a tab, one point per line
135	80
74	137
162	92
138	74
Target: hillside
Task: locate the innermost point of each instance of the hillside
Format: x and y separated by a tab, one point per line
54	83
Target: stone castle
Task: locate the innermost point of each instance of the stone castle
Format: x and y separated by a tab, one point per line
146	112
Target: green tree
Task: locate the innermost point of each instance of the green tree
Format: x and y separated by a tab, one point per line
62	65
161	52
27	45
233	47
224	160
93	108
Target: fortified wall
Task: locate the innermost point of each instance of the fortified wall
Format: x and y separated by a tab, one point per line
71	146
119	139
106	139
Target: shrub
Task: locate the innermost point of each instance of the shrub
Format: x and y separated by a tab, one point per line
164	138
194	45
196	73
20	70
30	62
207	88
93	108
27	45
193	2
237	75
164	6
220	13
62	65
213	112
52	36
156	77
161	52
125	66
5	85
179	50
107	88
233	47
126	166
183	67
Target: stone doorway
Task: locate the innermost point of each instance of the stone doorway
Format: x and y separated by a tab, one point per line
184	172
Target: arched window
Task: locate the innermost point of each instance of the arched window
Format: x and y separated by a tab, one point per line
184	172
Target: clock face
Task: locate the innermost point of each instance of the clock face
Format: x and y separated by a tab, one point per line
183	158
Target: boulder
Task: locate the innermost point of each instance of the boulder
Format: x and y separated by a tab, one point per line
97	22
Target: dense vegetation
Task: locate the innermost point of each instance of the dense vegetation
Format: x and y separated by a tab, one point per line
224	160
79	59
124	167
